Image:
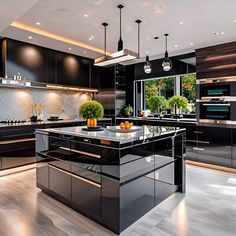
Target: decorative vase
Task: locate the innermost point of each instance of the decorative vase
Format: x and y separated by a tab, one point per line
92	122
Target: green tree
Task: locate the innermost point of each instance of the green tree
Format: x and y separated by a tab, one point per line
189	87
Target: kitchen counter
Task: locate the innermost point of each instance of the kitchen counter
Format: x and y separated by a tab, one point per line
180	121
46	122
100	173
120	138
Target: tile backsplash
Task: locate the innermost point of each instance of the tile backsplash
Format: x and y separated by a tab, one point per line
17	103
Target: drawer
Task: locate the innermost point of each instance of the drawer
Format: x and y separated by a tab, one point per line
60	182
86	195
191	153
213	154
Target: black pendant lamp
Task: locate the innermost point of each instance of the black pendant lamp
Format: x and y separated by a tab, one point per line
147	66
166	64
105	37
120	42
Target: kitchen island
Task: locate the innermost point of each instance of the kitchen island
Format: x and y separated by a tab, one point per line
113	178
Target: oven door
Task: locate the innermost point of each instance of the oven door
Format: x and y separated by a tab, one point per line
214	90
215	111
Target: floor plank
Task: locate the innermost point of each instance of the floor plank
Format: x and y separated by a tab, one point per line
208	208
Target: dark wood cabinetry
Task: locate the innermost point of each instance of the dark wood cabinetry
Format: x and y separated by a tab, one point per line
40	64
216	61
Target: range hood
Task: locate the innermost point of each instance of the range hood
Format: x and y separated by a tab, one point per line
11	83
116	58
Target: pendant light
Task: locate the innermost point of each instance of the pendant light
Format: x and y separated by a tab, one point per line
166	64
105	37
147	66
120	42
122	55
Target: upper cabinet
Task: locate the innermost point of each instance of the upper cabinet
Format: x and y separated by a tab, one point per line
39	64
26	59
216	61
72	70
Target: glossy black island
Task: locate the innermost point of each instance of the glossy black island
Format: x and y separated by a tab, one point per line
113	178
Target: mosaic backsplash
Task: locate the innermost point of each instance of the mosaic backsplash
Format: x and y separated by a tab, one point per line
18	103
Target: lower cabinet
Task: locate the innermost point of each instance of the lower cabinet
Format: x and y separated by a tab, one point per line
164	183
60	182
191	152
216	155
42	175
86	195
234	156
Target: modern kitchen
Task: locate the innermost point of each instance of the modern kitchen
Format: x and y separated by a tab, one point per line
117	118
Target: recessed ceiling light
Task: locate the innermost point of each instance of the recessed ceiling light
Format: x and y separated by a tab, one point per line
30	37
148	38
85	15
69	48
219	33
38	23
191	44
234	21
181	22
91	37
85	52
176	46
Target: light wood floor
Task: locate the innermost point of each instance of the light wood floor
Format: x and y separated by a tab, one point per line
208	208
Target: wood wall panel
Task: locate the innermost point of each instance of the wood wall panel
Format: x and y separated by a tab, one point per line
216	61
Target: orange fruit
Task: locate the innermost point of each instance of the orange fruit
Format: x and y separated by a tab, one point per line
122	126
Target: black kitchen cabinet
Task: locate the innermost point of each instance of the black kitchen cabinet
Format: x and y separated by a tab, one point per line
86	195
40	64
72	70
27	59
234	148
107	78
60	182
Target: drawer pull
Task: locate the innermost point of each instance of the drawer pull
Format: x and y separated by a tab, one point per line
76	176
198	132
198	149
80	152
196	141
17	141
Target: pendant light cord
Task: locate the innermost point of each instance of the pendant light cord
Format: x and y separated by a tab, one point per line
138	22
105	38
120	23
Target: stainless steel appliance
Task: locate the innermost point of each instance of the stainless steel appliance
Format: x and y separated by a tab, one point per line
216	101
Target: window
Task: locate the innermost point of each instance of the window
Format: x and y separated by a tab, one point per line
158	87
167	87
188	85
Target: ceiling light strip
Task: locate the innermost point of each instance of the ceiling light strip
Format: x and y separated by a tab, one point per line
22	26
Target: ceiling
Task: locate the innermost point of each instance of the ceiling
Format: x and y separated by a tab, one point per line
70	24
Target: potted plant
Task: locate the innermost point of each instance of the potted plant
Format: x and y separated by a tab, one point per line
178	103
157	102
91	111
126	111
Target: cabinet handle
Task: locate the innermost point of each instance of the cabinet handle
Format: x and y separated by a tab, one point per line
196	141
198	149
198	132
17	141
75	176
80	152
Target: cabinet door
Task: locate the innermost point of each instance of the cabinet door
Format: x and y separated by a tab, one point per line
26	59
164	183
215	154
60	182
234	148
214	145
191	143
42	173
86	195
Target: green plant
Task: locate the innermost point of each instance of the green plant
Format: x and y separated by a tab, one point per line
180	101
127	110
91	109
156	102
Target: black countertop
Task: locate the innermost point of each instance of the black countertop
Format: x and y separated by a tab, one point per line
45	122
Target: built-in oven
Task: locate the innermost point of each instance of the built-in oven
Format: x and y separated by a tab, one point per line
216	101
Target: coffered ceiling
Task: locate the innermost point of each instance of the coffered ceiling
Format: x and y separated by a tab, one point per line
75	25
